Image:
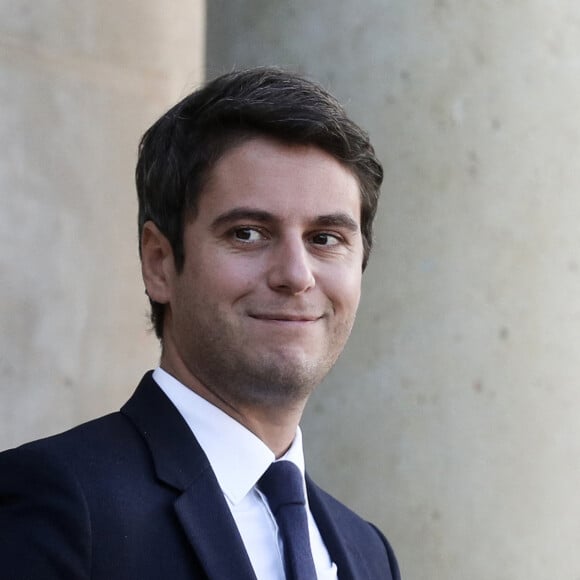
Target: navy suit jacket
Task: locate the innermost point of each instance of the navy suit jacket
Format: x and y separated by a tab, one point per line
132	496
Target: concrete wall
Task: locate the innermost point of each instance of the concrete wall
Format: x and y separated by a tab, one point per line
452	418
79	83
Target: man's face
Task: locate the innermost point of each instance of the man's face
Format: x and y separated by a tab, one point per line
271	280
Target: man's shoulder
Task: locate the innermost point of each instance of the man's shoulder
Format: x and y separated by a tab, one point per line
86	435
86	448
99	442
107	431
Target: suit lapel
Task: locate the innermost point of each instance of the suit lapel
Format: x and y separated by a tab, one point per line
210	527
344	553
180	462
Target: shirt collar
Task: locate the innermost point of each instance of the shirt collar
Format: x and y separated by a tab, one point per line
237	456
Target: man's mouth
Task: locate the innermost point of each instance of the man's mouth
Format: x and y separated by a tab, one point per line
285	317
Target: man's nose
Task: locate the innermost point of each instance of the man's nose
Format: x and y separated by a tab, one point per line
291	267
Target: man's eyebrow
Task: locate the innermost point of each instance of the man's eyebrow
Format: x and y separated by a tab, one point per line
339	219
242	213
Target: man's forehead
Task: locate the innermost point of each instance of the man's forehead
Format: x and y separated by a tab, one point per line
262	150
263	173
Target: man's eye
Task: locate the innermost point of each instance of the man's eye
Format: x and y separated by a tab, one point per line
325	240
247	235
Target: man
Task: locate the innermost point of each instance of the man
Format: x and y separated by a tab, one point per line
256	201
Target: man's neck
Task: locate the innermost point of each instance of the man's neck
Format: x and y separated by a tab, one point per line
274	425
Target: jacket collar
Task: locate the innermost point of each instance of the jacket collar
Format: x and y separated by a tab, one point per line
180	462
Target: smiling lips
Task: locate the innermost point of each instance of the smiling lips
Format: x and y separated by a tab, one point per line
285	317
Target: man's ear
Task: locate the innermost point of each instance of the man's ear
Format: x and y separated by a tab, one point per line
157	263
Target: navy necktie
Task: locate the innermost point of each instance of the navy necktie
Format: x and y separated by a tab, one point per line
283	487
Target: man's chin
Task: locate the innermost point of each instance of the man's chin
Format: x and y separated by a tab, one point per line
290	376
288	360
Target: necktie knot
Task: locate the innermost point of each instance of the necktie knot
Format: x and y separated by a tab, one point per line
282	485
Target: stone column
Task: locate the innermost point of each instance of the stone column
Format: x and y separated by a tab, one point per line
452	420
79	83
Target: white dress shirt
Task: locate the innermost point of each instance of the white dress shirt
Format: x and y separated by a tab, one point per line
238	459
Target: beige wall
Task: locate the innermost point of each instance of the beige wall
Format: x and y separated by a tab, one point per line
453	418
79	83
